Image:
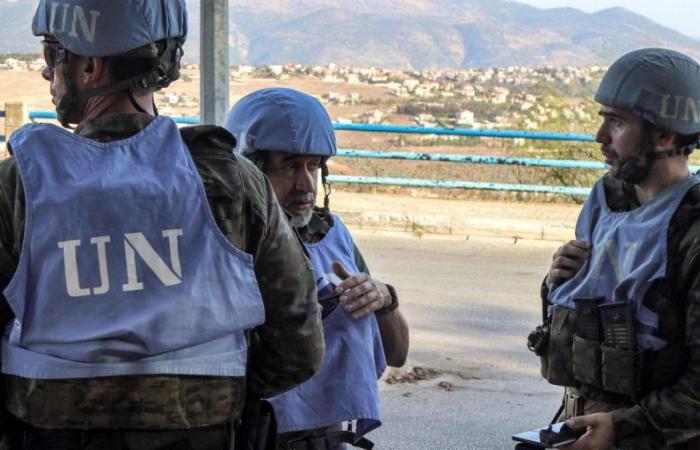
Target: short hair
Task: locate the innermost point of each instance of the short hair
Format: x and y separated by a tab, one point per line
683	141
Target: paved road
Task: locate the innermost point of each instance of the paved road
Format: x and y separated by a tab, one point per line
470	304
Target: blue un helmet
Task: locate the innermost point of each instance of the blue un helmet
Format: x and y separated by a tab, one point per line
660	86
147	29
283	120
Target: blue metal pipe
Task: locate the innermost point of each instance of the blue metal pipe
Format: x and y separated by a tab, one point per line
49	115
465	132
476	159
417	182
404	129
186	120
42	115
473	159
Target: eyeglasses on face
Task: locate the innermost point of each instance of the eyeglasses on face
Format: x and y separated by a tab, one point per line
54	53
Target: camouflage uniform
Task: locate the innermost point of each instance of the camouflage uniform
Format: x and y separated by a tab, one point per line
285	351
667	413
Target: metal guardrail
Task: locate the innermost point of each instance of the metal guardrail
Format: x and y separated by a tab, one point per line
465	132
2	136
442	184
469	159
50	115
473	159
442	157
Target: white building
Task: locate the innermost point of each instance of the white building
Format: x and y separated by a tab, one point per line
465	117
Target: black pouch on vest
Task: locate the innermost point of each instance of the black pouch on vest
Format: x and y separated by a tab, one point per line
586	345
257	429
586	361
620	370
620	365
557	362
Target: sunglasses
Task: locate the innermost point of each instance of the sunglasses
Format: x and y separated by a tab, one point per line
54	53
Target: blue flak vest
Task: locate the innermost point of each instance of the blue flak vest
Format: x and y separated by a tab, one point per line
628	254
123	270
346	386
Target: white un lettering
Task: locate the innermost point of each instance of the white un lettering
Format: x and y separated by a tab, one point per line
680	108
134	243
62	12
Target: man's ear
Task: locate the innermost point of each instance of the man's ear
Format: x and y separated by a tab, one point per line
664	140
95	71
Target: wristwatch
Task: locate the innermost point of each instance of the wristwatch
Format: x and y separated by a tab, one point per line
394	301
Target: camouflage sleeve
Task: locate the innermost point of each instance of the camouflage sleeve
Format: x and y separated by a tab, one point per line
672	415
359	259
11	229
288	348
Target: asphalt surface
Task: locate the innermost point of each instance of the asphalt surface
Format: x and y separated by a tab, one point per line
470	305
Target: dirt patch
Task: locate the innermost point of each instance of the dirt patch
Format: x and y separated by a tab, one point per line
417	374
446	386
466	376
414	376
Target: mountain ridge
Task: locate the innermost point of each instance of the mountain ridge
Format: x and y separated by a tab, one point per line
408	34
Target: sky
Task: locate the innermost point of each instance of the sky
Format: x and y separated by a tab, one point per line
680	15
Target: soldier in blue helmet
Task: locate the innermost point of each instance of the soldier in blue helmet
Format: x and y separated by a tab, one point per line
621	302
289	135
140	261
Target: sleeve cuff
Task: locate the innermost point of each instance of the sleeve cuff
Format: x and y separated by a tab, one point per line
632	429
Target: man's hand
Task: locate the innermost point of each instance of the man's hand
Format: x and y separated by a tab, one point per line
361	294
600	434
567	261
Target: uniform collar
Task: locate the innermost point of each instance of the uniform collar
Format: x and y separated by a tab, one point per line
111	127
318	226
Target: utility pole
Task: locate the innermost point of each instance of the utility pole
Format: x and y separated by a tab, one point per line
214	64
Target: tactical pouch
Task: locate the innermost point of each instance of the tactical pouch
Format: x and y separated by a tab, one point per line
557	362
586	346
586	361
257	429
620	370
620	360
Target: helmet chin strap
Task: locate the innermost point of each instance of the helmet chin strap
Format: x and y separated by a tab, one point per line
134	103
637	169
69	107
326	190
326	186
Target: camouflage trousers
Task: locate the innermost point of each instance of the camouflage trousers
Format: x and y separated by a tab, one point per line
218	437
575	405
